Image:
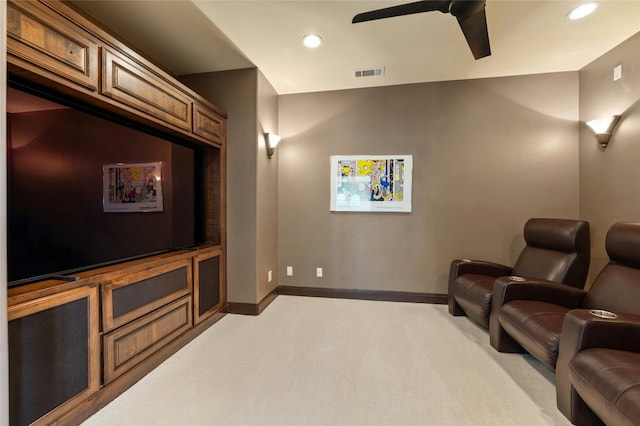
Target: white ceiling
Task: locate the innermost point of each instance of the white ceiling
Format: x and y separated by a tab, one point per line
527	37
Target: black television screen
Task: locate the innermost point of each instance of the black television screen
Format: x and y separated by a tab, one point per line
56	189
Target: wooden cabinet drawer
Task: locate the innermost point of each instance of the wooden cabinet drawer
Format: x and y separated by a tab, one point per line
132	296
127	346
48	43
136	87
207	124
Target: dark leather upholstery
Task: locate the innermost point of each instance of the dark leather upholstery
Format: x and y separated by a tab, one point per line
598	369
552	322
557	249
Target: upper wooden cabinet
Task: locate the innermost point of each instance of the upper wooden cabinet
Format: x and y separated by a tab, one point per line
207	124
55	45
136	87
44	41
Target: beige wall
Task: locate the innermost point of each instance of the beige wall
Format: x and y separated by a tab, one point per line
235	92
610	177
267	191
252	211
488	154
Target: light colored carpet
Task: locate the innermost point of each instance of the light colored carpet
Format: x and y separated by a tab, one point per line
315	361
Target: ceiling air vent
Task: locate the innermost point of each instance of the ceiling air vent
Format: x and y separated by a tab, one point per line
369	72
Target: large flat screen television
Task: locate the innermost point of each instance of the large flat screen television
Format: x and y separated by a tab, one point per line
85	189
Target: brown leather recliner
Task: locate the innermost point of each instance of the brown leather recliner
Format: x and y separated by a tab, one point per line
598	369
557	250
529	315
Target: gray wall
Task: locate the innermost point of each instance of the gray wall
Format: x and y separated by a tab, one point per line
267	187
252	219
488	154
235	92
610	177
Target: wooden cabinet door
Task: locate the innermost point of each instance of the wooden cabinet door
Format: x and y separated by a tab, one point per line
54	355
208	285
136	87
208	124
44	42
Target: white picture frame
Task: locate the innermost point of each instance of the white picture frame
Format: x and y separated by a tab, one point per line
371	183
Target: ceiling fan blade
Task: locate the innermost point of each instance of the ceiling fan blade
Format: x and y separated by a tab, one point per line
475	31
403	9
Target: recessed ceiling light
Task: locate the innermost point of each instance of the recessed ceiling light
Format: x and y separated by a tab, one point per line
582	10
312	40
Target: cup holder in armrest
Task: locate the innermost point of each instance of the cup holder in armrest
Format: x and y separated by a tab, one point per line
516	278
602	314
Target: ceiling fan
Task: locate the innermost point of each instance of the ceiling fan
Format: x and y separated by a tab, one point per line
470	14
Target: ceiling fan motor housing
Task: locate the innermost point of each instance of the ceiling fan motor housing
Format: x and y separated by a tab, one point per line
464	8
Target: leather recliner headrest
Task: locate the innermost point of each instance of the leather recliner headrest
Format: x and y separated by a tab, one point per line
623	243
558	234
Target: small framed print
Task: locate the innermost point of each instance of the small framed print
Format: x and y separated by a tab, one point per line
133	187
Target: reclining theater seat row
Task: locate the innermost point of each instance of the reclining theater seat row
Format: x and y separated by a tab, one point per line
597	360
557	250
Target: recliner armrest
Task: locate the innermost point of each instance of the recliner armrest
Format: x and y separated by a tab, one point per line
465	266
461	267
582	330
505	289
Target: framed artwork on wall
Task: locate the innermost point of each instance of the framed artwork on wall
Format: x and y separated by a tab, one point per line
371	183
133	187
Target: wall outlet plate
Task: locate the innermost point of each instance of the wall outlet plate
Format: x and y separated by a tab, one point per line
270	276
289	271
617	72
319	272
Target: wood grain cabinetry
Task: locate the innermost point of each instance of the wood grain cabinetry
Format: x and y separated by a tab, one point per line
207	124
132	296
40	39
46	45
135	87
130	344
208	294
141	311
54	355
75	348
75	345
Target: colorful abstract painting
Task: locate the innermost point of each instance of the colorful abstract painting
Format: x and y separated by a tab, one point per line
132	187
371	183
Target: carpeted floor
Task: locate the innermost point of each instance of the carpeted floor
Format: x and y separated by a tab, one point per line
315	361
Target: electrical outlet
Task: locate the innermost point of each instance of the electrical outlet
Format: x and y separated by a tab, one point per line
270	276
617	72
289	271
319	272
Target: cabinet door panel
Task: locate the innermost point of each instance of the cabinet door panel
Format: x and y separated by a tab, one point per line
134	295
208	288
53	355
130	344
129	83
207	124
43	38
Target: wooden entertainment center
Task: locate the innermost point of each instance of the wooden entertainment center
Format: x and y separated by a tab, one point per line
77	343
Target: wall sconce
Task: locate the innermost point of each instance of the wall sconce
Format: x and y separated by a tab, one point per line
603	127
271	139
